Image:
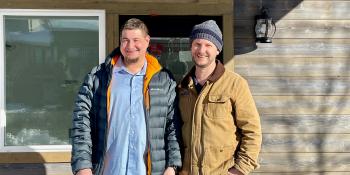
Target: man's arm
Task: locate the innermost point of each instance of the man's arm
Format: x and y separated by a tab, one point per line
169	171
80	132
172	131
84	172
248	121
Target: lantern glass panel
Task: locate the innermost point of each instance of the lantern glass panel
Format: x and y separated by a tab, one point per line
260	28
271	29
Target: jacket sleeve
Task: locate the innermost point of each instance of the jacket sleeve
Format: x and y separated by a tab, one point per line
172	134
80	131
248	122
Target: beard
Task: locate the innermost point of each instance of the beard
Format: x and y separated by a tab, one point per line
130	60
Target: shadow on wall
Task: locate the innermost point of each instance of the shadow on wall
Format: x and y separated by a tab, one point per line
301	82
244	20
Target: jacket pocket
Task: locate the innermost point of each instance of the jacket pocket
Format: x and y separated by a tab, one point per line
218	106
217	159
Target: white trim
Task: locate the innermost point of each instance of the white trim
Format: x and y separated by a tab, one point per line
102	37
48	12
37	148
40	12
2	83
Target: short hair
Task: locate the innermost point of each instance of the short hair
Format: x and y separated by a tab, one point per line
135	23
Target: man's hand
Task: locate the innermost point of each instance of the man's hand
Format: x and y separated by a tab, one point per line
84	172
234	171
169	171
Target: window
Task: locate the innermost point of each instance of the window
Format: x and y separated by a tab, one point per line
45	55
173	53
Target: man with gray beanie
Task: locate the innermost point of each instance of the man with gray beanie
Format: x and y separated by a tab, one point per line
221	126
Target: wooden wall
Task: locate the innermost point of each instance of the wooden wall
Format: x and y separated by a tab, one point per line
300	82
57	163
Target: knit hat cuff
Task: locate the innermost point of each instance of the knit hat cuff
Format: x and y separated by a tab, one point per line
208	35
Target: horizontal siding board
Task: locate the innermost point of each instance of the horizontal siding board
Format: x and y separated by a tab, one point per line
301	173
96	1
38	2
298	29
304	162
266	169
306	143
36	169
294	48
155	1
144	8
58	169
303	104
284	66
294	9
305	124
299	85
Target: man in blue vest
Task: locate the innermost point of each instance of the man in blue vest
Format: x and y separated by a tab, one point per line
125	117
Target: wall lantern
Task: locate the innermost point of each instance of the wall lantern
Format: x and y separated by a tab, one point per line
265	28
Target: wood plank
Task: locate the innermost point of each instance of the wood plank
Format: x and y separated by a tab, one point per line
129	8
49	1
303	173
34	157
303	104
130	1
308	143
100	1
36	169
249	66
111	32
64	169
294	9
156	1
294	48
58	169
298	29
299	85
304	162
228	39
305	124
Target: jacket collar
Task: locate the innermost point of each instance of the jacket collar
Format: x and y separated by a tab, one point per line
152	63
153	67
110	61
217	73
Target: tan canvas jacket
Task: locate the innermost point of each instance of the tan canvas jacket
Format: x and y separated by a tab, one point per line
221	125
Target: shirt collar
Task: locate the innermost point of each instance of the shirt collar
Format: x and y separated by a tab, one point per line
217	73
120	67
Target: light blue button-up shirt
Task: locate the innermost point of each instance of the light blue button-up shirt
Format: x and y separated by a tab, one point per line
127	137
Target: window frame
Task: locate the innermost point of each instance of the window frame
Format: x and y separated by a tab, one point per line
101	14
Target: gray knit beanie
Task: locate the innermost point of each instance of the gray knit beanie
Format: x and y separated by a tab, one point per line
208	30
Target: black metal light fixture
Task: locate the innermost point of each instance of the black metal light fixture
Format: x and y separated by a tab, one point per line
265	28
